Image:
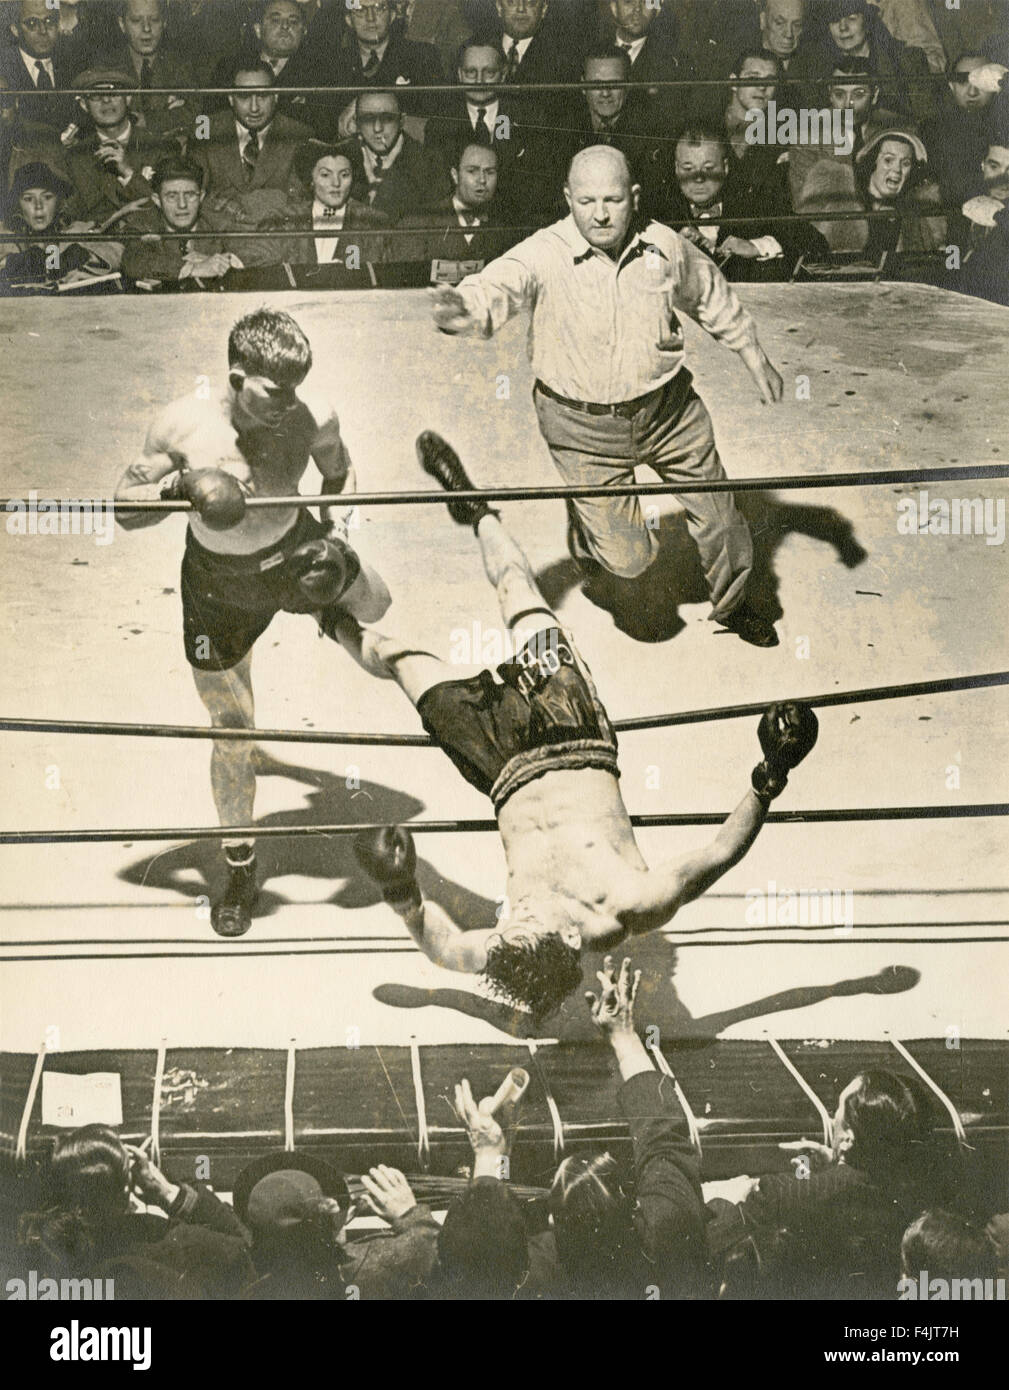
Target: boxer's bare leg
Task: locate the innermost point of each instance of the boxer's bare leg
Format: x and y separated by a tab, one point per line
391	658
509	571
368	598
227	696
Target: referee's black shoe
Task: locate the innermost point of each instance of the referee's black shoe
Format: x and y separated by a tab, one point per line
231	915
750	626
440	460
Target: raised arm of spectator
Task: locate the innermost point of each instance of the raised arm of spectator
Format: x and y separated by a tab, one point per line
670	1206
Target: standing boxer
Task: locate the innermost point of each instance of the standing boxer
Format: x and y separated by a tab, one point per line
241	567
612	390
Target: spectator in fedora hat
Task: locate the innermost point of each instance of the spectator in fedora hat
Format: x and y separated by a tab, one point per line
297	1208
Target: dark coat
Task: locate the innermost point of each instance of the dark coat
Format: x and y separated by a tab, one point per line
749	194
161	259
530	160
222	161
908	88
201	1251
407	185
404	64
56	112
168	69
440	237
98	192
297	216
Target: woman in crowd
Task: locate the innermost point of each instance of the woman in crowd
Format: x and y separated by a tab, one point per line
95	1223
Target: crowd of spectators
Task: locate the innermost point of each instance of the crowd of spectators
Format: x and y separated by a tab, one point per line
881	122
887	1201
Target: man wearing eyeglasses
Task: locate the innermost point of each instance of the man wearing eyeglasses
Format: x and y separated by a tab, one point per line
394	174
377	55
35	62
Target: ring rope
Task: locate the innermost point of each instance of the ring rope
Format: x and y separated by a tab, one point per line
453	827
945	685
927	81
430	496
370	235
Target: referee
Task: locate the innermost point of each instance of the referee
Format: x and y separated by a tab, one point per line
612	390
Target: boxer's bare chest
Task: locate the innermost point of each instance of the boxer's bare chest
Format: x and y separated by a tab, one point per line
267	460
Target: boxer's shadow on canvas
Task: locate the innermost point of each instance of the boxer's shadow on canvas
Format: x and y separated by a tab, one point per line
647	608
658	1002
196	868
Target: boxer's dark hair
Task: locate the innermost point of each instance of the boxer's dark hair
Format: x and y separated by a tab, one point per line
538	974
269	343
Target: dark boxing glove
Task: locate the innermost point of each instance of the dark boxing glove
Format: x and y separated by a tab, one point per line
214	494
324	569
388	856
787	733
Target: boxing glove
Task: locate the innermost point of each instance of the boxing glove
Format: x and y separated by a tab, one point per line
787	733
215	495
388	856
324	569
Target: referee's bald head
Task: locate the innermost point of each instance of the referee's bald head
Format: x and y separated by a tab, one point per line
599	161
602	196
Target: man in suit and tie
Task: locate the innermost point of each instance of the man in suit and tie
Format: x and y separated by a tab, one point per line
528	167
704	192
144	54
251	146
608	116
376	54
539	47
395	174
652	58
35	63
454	240
281	32
249	156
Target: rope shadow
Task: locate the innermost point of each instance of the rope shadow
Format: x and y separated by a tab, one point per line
646	608
329	802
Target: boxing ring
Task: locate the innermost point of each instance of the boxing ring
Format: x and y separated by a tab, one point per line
355	1048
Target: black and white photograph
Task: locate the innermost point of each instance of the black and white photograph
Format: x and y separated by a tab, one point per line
505	702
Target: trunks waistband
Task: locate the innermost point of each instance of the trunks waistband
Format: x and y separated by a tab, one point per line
256	561
573	755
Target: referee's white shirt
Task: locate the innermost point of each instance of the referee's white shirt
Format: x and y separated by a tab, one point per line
605	330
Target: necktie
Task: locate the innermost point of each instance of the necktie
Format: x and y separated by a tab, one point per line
145	74
329	212
371	66
250	155
626	48
481	128
43	82
513	63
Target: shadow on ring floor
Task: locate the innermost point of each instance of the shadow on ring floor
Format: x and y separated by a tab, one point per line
646	608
